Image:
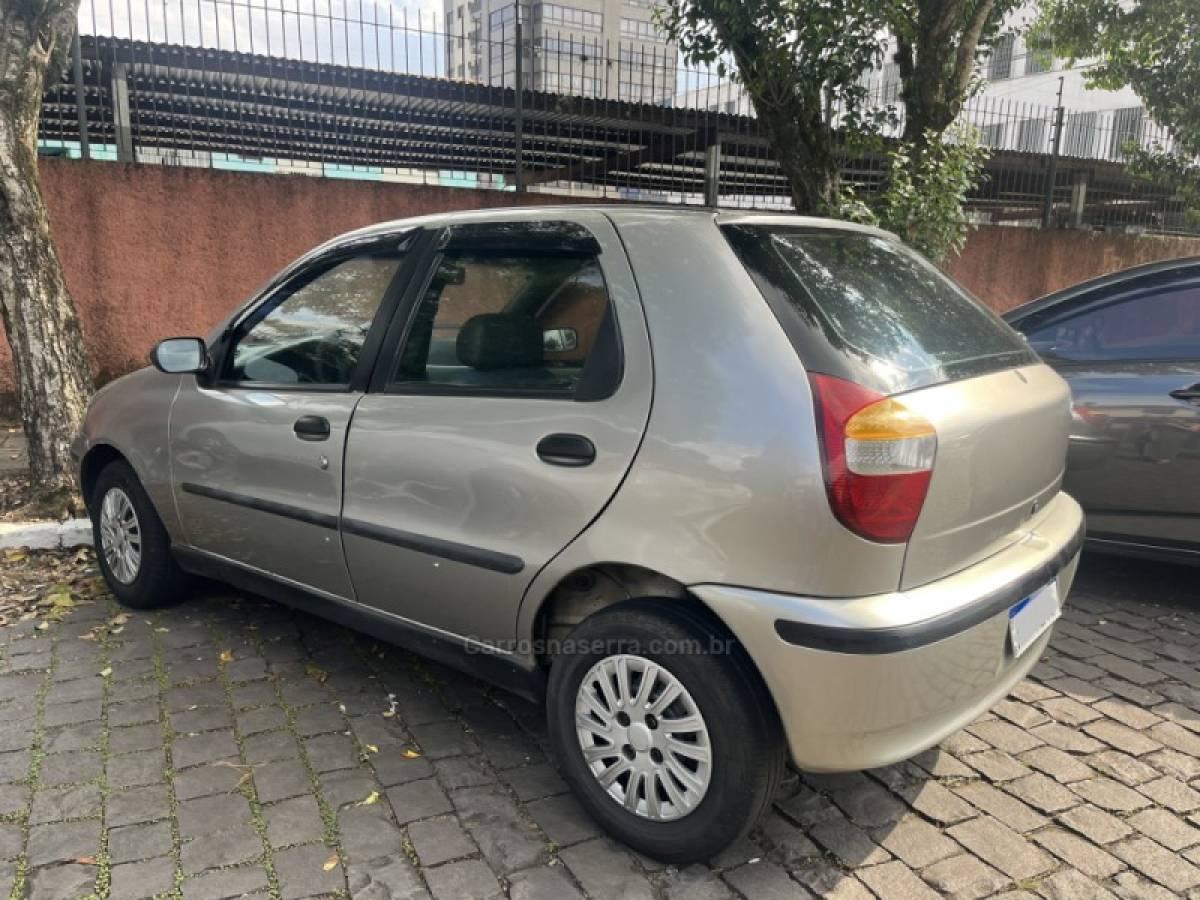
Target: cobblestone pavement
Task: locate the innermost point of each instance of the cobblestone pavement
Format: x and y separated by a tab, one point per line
228	747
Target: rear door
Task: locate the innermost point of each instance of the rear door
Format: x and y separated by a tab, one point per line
256	454
506	408
1133	363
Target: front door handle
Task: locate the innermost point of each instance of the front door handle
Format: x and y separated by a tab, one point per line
311	428
1188	393
571	450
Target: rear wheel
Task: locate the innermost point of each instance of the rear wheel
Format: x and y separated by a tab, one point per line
132	546
664	730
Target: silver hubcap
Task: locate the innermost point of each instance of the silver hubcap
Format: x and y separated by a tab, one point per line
120	536
643	737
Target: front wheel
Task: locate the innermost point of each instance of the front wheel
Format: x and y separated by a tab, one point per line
132	546
664	730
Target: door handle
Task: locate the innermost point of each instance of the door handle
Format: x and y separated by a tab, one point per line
311	428
1188	393
571	450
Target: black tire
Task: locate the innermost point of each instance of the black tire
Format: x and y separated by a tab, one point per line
747	747
159	581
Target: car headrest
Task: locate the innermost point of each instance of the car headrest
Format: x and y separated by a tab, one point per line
499	341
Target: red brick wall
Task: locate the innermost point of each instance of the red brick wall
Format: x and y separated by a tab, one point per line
154	251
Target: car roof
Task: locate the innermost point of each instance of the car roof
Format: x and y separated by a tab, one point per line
617	212
1112	279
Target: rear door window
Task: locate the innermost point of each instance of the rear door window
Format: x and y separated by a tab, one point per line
864	307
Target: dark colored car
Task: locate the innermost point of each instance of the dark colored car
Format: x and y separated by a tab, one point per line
1129	346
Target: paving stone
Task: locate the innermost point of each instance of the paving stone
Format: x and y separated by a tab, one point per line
222	884
196	749
1078	853
256	721
1042	793
563	820
964	876
61	842
135	842
607	871
916	842
228	847
826	880
1176	737
1122	737
72	737
136	769
848	843
14	766
54	804
893	880
1128	714
536	781
12	842
206	815
1069	711
937	802
393	768
140	880
135	737
461	771
1063	767
418	800
368	833
1167	828
346	787
439	840
696	882
1110	795
57	882
386	879
996	765
270	746
1124	768
328	752
70	768
302	872
1071	885
1172	793
1014	813
543	883
506	840
140	804
1158	864
1001	847
1070	740
468	880
281	780
295	821
1095	824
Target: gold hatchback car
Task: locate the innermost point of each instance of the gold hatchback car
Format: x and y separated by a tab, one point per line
723	490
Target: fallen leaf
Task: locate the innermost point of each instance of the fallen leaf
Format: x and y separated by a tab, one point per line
120	619
410	753
316	673
162	630
372	748
388	713
331	863
86	860
105	672
226	656
15	554
43	626
371	799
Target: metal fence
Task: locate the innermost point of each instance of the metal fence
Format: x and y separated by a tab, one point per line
515	98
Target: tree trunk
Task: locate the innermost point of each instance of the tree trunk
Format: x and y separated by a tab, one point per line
803	147
52	374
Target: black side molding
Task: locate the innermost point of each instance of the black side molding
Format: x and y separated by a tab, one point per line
464	553
299	513
918	634
499	669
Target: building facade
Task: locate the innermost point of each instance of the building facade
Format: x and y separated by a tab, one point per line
609	49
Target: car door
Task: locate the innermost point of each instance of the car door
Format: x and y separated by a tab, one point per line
257	448
1133	363
512	406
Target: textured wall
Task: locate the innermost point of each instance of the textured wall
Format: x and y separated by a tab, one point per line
155	251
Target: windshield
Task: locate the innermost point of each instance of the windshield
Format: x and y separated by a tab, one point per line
886	317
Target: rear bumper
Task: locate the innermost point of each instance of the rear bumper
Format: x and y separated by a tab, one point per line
866	681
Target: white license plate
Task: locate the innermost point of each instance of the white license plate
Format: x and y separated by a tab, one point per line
1029	619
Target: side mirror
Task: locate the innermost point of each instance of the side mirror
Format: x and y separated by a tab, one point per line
559	340
180	356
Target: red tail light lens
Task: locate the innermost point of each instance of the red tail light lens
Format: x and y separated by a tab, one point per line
878	457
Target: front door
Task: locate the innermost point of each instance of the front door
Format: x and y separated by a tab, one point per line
512	406
257	453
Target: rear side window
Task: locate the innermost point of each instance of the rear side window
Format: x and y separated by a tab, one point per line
1160	325
868	309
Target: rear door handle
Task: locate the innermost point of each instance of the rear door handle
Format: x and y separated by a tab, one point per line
311	428
571	450
1188	393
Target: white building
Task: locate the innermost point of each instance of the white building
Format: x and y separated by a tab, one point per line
597	48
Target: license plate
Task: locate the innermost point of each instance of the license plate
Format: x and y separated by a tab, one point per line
1029	619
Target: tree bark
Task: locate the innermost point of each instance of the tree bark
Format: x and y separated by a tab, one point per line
804	150
52	373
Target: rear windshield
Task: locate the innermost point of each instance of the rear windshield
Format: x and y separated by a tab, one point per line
867	308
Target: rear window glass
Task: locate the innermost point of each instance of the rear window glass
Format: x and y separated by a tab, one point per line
867	308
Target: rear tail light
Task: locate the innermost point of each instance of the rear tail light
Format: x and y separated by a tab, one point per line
878	456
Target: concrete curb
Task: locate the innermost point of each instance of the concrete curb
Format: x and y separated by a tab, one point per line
46	535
